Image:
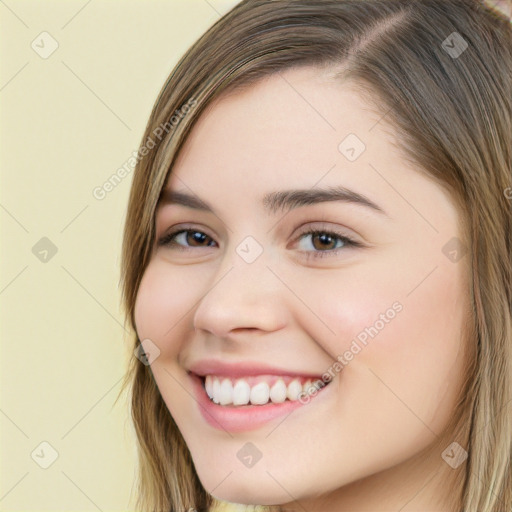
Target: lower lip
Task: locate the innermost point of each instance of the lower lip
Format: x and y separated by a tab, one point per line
241	418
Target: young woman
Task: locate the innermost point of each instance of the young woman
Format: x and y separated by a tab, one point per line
317	262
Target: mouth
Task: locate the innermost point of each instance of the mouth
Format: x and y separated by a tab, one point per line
240	403
259	390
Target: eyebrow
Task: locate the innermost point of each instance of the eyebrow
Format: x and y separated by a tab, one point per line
280	201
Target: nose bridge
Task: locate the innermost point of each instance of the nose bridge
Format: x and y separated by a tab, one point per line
242	293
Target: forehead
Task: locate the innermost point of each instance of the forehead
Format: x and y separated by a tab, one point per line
290	131
295	112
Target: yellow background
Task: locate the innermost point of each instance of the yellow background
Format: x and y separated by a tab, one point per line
68	122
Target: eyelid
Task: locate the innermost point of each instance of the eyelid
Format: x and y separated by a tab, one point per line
328	227
334	229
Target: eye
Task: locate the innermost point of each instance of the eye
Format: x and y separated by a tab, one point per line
322	242
185	239
326	243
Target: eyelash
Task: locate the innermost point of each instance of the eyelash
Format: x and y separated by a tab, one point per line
167	240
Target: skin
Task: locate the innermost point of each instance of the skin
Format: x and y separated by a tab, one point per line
374	442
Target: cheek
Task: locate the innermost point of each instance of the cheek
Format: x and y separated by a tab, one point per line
398	348
424	348
161	306
350	308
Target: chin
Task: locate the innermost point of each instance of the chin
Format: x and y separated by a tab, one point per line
245	489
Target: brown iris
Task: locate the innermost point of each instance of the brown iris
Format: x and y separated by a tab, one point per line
325	239
196	238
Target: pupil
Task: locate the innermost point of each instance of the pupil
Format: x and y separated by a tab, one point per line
198	237
325	239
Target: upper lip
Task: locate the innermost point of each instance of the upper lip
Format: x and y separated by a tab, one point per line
243	369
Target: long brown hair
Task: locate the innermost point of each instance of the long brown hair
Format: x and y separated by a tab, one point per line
452	112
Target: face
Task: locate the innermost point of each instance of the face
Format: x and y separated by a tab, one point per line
253	290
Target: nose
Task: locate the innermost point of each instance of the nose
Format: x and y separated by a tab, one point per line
241	296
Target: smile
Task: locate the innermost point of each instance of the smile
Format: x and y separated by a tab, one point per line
244	397
259	390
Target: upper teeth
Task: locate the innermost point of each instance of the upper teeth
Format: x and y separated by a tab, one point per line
226	391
